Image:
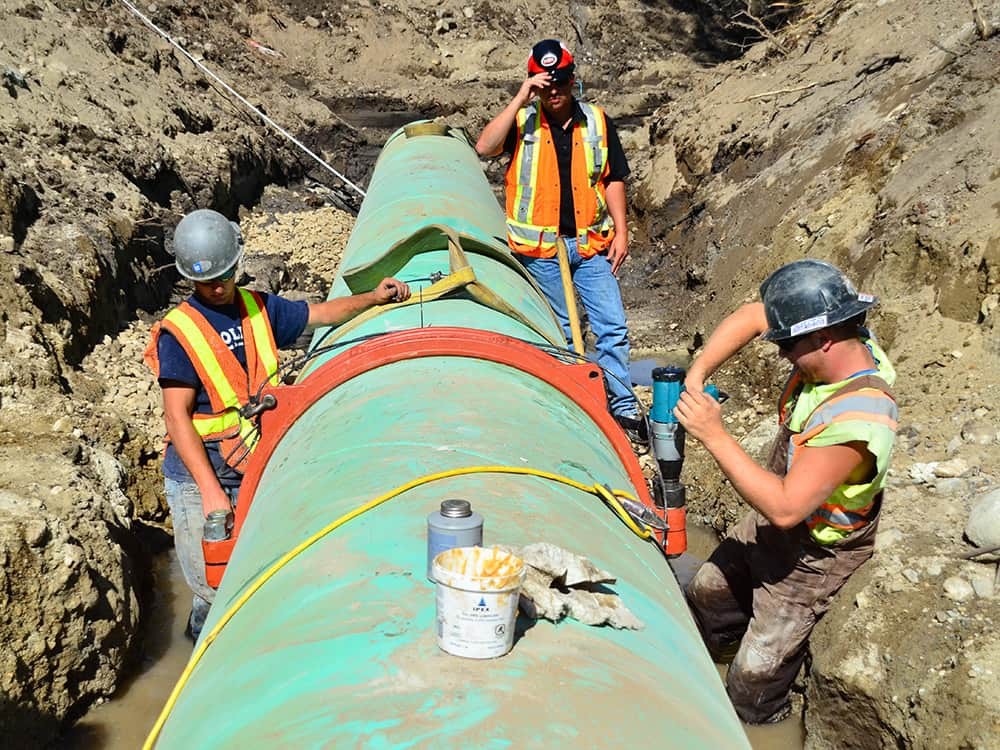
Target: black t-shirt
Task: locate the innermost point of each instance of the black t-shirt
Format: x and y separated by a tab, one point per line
618	168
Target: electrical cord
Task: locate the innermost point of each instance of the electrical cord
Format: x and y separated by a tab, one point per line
610	497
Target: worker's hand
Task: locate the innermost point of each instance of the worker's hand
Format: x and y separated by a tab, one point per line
531	88
694	382
618	251
391	290
213	497
700	415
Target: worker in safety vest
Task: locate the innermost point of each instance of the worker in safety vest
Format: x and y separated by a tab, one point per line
816	507
212	354
566	178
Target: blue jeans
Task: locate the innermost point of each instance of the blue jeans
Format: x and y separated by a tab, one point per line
598	291
184	499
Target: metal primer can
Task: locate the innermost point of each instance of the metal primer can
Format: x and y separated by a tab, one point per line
218	526
454	525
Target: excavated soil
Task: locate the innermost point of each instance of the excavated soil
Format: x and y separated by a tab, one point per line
863	133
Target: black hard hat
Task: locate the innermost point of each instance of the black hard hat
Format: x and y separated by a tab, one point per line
807	295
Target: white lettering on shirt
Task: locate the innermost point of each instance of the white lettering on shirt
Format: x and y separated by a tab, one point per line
233	338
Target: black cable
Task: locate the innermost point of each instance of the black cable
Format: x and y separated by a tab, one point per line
298	362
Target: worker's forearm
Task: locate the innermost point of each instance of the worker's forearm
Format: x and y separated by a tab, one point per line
735	332
491	140
617	206
341	309
762	489
191	450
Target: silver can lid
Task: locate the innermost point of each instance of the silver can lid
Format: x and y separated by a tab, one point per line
456	509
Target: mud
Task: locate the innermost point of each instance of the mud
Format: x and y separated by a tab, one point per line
861	133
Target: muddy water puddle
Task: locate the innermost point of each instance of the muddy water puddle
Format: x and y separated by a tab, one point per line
124	722
787	735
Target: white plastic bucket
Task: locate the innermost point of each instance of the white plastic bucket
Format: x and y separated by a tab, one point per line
477	593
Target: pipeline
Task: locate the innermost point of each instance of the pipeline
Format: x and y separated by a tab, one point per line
322	632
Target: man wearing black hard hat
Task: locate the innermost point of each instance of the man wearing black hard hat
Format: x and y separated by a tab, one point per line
816	506
566	183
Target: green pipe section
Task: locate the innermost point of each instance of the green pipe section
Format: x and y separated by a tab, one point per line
338	649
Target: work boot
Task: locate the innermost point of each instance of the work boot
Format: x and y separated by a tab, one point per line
196	620
778	716
636	428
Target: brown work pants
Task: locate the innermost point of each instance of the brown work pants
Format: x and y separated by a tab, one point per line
767	588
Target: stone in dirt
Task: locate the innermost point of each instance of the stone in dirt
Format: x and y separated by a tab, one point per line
983	526
958	589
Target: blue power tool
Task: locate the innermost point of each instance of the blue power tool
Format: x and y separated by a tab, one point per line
668	434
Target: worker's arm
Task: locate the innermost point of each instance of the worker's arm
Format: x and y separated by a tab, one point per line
733	333
178	406
341	309
491	140
786	501
618	251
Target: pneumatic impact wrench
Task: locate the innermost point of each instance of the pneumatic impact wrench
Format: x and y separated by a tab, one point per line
668	447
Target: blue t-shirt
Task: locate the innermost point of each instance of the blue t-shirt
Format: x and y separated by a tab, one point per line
288	321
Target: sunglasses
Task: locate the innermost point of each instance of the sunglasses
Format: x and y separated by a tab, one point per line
787	345
227	276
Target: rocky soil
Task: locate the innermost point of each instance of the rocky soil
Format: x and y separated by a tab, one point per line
859	132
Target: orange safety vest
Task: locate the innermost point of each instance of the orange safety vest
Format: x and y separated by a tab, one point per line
533	185
864	404
229	386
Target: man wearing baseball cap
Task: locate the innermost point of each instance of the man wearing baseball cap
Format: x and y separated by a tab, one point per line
566	183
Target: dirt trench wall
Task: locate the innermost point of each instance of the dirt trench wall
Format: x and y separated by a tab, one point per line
857	145
68	579
106	137
863	135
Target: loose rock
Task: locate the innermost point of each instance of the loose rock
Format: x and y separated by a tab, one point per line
958	589
983	527
979	432
956	467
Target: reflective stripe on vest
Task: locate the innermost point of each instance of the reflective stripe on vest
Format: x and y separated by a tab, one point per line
227	384
530	193
840	517
870	406
260	348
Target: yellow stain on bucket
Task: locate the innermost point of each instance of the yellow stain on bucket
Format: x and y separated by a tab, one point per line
477	594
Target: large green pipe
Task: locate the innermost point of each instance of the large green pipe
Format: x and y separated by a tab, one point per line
338	648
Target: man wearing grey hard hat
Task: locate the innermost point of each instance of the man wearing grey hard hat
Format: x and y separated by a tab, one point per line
212	355
815	508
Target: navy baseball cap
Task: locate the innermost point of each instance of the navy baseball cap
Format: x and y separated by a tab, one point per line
551	56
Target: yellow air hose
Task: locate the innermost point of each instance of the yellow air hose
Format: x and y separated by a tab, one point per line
608	496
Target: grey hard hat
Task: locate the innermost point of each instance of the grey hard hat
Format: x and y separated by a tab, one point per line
206	245
807	295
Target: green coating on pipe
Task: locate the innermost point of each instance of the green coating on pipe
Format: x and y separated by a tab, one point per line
338	649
